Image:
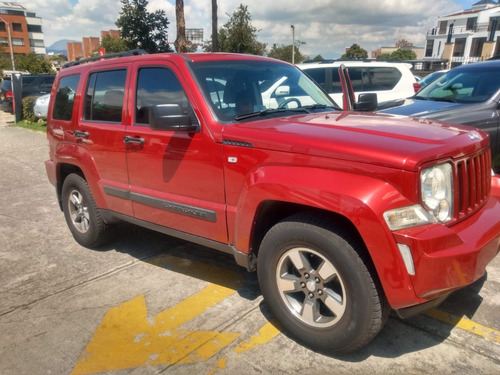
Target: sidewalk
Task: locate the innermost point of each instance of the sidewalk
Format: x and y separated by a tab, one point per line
6	119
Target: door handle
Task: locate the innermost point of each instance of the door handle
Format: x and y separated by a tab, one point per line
133	140
81	134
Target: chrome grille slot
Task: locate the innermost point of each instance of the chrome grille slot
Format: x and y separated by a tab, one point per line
473	183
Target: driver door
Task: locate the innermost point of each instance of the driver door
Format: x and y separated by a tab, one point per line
176	177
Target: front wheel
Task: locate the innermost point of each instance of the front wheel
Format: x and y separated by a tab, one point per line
81	213
317	285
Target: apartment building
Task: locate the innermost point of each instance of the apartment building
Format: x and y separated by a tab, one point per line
465	37
88	46
22	28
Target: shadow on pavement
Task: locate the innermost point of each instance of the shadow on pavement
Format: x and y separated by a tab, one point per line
397	338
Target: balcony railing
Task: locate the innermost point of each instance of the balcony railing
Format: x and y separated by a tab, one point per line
478	28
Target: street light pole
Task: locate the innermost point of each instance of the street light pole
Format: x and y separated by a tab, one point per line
10	44
293	43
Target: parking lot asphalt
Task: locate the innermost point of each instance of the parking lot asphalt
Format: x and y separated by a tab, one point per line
149	304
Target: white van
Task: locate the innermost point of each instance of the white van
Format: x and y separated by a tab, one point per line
389	80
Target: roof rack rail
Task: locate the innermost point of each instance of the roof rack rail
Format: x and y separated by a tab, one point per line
110	56
329	61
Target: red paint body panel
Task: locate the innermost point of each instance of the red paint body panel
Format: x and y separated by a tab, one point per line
357	165
447	258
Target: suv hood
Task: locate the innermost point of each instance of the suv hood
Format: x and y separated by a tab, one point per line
385	140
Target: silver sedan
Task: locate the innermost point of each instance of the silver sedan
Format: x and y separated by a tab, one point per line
41	106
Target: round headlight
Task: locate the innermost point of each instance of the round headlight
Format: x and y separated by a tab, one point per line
437	191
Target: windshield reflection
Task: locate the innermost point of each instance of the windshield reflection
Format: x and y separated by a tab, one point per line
241	90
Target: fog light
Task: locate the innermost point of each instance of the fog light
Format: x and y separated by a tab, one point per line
407	258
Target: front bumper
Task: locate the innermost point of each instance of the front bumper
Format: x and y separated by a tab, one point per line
448	258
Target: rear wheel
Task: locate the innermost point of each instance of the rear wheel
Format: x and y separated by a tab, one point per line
317	285
81	213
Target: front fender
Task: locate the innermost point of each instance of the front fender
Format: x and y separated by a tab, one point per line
360	199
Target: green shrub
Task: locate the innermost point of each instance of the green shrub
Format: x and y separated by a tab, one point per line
28	112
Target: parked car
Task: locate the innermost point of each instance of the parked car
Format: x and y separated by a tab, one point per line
389	80
33	85
468	94
41	106
429	78
6	95
343	214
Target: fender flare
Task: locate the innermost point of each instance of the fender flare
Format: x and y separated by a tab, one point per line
80	157
360	199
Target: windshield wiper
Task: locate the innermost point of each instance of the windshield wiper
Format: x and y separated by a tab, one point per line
317	106
436	99
450	100
269	111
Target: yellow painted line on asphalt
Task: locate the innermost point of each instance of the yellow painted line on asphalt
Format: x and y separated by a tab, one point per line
127	337
465	324
267	332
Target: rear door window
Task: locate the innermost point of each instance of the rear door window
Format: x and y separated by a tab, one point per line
381	78
104	96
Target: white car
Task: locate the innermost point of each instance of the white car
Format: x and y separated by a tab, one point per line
389	80
41	106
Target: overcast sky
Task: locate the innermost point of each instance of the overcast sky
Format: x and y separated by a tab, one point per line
326	26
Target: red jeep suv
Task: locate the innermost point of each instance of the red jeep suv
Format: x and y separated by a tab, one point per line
344	214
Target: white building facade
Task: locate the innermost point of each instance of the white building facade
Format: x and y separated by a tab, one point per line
465	37
20	29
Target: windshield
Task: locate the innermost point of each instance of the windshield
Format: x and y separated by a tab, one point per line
239	90
463	86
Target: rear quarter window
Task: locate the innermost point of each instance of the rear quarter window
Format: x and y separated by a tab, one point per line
380	78
65	98
319	76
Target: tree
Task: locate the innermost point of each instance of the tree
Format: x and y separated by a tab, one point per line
142	29
282	52
355	52
59	59
403	54
384	56
238	35
35	64
112	45
5	62
400	54
191	47
318	58
180	41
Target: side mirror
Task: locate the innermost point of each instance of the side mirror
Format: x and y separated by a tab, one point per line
366	102
170	117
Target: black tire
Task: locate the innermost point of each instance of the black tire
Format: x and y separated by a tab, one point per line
81	213
318	287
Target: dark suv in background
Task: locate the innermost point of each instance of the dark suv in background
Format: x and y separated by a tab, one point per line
468	94
33	85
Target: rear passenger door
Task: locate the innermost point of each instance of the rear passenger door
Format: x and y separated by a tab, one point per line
176	177
101	130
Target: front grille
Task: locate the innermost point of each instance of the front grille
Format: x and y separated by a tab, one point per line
474	183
